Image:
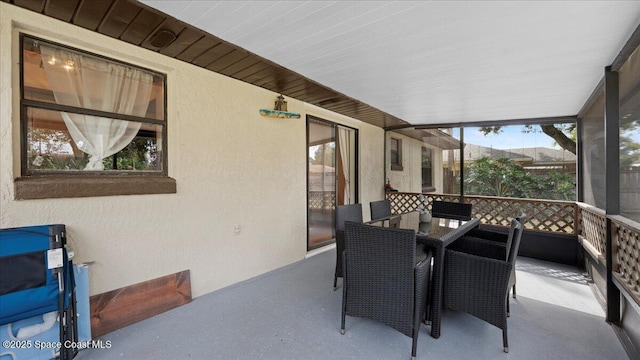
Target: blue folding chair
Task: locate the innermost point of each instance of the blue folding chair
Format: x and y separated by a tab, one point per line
37	278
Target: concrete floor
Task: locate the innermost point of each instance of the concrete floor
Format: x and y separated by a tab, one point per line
292	313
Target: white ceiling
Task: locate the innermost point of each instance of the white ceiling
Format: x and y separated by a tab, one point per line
430	62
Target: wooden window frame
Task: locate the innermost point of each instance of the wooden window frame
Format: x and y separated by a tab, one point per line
63	184
429	187
397	166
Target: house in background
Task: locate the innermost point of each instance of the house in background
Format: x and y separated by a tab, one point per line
538	160
415	160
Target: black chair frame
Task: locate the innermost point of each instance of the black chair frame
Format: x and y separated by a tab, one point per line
382	280
344	213
492	238
478	280
451	210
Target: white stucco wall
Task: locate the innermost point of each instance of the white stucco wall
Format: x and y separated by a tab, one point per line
409	179
232	167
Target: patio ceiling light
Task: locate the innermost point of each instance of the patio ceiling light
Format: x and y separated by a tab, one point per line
162	38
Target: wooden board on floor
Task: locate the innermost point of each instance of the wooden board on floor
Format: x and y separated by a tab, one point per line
125	306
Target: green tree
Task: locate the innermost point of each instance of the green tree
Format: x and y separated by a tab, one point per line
134	155
629	149
563	134
48	150
324	154
557	186
504	178
47	141
499	177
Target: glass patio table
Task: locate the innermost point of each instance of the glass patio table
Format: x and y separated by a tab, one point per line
435	235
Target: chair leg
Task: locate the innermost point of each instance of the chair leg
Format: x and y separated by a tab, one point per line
335	283
344	293
344	308
508	307
414	344
505	343
514	291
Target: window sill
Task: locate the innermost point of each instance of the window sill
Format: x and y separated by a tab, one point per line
395	167
51	187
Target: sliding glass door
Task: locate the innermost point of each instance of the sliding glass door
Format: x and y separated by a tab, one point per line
331	177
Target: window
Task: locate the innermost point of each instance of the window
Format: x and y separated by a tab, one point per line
427	170
84	114
521	161
395	147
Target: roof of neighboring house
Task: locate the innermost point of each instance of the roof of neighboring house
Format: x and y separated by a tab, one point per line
546	155
536	155
435	137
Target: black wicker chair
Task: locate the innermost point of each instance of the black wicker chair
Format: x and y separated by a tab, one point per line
384	280
451	210
478	282
489	238
344	213
380	209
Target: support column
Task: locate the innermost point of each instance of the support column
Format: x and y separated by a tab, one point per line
579	163
461	164
612	183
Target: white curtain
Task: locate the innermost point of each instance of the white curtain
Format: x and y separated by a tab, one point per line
91	83
344	142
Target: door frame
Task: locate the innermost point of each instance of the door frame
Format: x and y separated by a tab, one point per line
355	181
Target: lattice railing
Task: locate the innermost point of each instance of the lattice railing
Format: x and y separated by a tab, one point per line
626	237
588	222
593	228
542	215
322	200
404	202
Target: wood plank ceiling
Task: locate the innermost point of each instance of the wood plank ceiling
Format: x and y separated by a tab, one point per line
138	24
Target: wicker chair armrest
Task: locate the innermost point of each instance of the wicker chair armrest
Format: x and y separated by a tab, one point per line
428	241
489	235
480	247
495	266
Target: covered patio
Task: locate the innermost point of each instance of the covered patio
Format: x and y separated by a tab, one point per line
292	313
257	119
